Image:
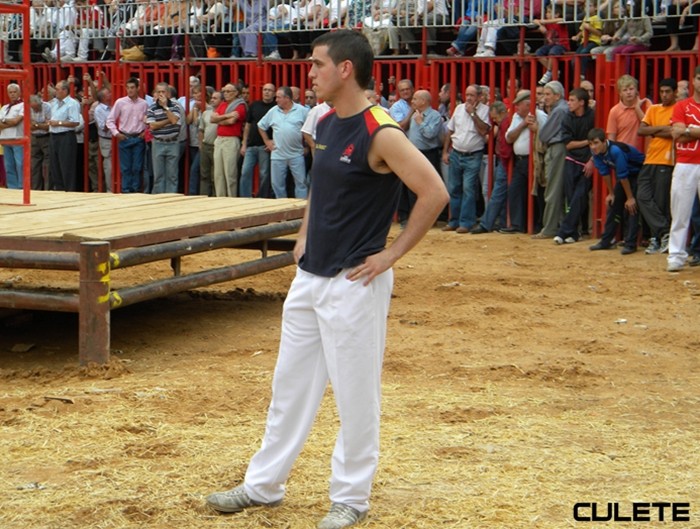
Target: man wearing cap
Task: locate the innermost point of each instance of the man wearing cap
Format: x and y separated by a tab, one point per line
519	134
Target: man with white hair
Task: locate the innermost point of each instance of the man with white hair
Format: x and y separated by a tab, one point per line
552	135
11	127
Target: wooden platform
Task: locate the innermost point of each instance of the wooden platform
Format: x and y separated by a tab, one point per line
94	233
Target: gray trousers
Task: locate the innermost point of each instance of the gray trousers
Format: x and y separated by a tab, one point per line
554	160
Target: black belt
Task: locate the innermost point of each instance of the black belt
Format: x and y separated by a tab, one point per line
473	153
521	156
62	133
168	140
131	134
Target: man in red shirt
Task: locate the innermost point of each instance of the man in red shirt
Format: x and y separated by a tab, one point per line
230	116
685	185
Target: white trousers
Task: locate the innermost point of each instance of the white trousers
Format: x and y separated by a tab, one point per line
332	329
684	187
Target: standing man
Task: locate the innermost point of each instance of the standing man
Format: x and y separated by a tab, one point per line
626	116
495	212
253	148
401	110
654	185
467	130
41	149
522	128
578	167
552	135
126	123
287	148
230	116
12	127
361	156
104	136
685	186
65	117
625	161
425	133
207	139
165	119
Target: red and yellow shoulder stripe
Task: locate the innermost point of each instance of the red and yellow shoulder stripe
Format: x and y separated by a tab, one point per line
376	117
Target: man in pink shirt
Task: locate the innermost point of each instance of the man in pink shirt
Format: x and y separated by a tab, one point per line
126	123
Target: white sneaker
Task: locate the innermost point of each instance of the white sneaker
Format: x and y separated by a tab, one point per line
48	55
340	516
545	78
674	267
558	240
274	55
569	240
486	52
663	246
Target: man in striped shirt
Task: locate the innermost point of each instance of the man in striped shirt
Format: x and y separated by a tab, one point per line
164	118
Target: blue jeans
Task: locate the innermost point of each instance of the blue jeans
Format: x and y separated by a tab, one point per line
496	209
14	165
461	184
297	166
194	171
165	166
695	223
465	35
254	155
131	155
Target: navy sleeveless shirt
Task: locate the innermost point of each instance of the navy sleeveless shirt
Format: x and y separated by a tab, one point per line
352	206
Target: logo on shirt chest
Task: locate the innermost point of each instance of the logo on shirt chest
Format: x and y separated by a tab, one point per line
346	157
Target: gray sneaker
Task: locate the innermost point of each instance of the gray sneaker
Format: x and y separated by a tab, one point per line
663	247
235	500
653	247
340	516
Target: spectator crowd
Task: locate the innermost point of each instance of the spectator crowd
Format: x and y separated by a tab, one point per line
80	30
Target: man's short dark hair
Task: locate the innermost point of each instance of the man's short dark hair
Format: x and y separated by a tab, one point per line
287	91
348	45
596	134
580	94
670	82
133	80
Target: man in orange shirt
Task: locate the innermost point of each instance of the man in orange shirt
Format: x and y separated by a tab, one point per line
654	182
625	117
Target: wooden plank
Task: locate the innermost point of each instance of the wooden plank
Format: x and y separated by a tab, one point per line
138	211
101	216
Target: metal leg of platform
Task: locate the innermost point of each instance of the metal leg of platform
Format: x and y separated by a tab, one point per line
94	309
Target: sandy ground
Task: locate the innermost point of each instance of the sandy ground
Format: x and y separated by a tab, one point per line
520	378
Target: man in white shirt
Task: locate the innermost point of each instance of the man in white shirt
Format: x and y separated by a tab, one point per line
466	134
12	127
